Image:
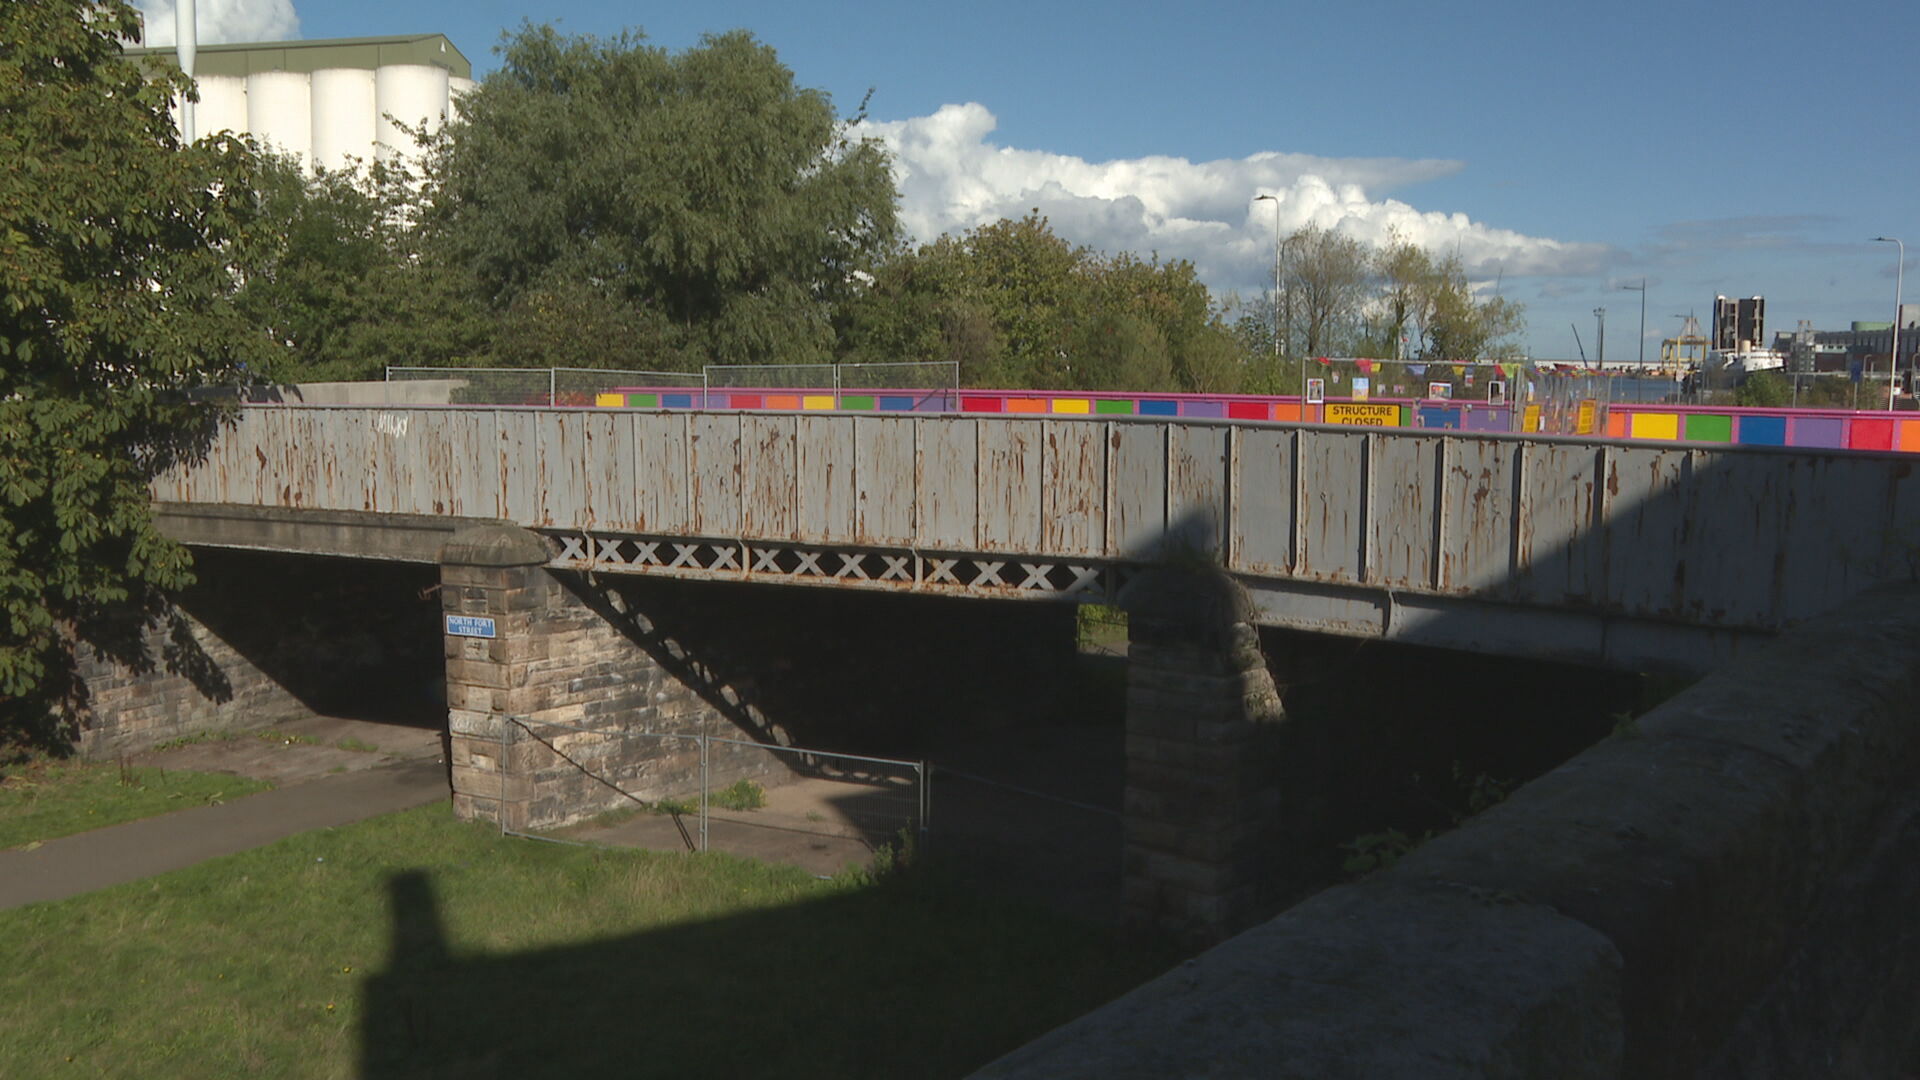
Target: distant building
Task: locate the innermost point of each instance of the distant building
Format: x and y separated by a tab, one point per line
328	101
1739	325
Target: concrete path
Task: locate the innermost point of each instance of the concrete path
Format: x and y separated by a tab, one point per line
93	860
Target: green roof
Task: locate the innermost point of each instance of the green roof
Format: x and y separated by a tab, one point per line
309	56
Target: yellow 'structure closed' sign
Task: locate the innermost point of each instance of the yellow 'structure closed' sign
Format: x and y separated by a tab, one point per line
1363	415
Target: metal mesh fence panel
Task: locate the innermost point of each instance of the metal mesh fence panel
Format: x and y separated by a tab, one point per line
581	387
483	386
771	376
932	386
697	792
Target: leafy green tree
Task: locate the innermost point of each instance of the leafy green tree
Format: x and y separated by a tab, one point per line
116	302
1459	325
1325	280
1763	389
711	209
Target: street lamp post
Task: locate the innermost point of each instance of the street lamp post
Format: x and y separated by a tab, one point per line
1276	300
1276	269
1893	345
1640	372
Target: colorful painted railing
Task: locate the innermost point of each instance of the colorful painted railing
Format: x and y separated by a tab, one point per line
1812	428
1837	429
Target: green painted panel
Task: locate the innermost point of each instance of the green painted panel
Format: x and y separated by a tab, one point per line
1707	427
643	401
1113	408
857	401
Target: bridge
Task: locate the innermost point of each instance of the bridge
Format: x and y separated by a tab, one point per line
1685	558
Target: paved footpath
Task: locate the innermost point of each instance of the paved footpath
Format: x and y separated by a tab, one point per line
93	860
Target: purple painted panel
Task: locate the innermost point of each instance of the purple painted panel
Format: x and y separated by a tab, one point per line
1488	420
1821	431
1215	410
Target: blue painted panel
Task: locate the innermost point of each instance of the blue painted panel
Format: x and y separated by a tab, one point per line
676	401
890	403
1433	417
1159	408
1762	431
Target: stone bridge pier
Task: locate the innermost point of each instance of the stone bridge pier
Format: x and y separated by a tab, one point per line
1214	816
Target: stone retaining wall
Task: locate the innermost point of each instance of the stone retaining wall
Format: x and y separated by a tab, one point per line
1723	889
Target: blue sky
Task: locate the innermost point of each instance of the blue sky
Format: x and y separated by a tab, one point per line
1562	151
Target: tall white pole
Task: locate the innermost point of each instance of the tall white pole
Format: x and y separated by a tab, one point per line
1276	269
1893	344
186	43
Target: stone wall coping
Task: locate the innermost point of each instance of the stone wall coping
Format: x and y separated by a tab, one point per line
1619	916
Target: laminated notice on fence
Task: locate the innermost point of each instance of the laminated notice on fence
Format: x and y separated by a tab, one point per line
1587	418
1363	415
470	626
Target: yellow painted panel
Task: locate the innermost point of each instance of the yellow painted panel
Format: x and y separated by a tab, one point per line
1530	419
817	401
610	401
1072	405
1655	425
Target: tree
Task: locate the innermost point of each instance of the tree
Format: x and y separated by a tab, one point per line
1324	279
339	279
1459	326
117	277
714	209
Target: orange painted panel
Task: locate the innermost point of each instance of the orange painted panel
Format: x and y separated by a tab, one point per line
1026	405
1909	436
783	401
1617	425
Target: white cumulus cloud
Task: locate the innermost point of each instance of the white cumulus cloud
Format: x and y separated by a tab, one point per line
224	21
952	178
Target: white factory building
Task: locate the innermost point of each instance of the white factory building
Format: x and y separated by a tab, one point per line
328	101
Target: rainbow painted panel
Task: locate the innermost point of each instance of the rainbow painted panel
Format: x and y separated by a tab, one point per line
1433	416
783	401
747	401
1825	432
1654	426
1159	408
981	404
1209	410
1910	435
1709	427
893	403
1617	425
863	402
676	401
817	402
1249	410
1871	433
1026	405
1113	407
1079	406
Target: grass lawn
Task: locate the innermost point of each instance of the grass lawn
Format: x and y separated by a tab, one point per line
43	799
415	946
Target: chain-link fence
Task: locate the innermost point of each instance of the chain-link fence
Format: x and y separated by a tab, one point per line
699	792
527	386
795	377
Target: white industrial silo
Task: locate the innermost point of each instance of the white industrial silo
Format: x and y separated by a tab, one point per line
223	104
457	88
344	127
407	94
280	111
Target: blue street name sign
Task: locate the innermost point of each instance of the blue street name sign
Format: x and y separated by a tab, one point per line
470	626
